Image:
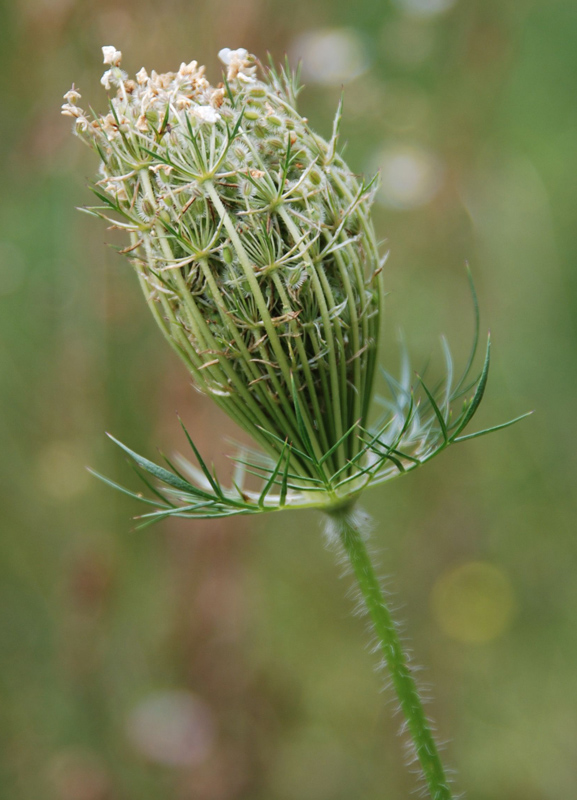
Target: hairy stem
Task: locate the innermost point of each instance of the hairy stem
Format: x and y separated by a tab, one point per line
349	526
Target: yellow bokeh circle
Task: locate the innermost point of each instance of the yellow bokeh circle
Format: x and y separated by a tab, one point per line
474	602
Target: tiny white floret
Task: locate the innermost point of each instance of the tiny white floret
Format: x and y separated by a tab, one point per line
72	95
111	55
70	110
206	114
238	62
227	56
105	80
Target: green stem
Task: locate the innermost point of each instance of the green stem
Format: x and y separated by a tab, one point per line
349	526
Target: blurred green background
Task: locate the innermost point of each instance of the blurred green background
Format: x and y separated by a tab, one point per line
220	661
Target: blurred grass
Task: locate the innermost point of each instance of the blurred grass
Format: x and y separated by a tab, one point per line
95	619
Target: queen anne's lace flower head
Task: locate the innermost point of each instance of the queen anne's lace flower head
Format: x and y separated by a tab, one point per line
253	243
255	249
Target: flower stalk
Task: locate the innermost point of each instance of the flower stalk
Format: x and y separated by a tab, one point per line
351	527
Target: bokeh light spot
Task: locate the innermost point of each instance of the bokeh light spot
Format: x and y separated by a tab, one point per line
410	176
425	8
62	470
474	602
174	728
330	56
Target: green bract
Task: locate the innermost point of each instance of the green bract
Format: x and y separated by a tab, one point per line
255	250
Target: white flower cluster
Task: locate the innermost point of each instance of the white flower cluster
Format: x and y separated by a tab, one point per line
144	101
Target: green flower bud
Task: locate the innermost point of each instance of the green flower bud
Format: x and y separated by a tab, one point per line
254	247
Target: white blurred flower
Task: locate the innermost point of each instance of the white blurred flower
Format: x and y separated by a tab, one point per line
111	56
425	8
173	728
206	114
142	76
331	56
410	176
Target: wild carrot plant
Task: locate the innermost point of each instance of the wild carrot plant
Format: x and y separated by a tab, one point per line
255	250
